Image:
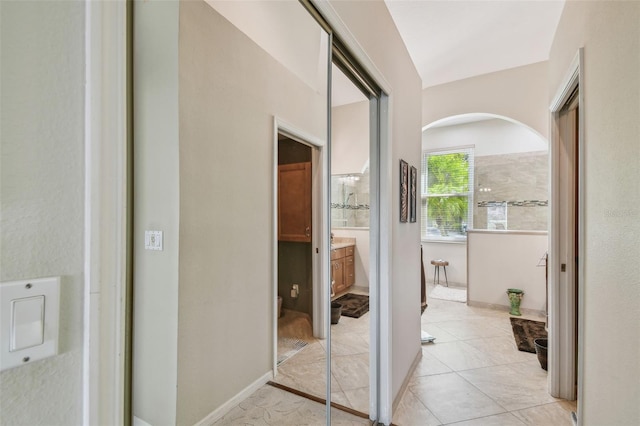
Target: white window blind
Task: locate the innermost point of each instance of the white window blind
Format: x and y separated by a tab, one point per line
447	194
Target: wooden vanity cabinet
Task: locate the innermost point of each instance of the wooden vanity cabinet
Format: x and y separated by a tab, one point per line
349	268
337	270
342	269
294	202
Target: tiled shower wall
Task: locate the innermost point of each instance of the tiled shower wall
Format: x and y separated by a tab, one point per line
522	181
350	201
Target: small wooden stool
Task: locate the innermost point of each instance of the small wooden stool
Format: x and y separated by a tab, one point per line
437	264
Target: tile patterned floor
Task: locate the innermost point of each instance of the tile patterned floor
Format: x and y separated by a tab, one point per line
473	375
306	371
272	406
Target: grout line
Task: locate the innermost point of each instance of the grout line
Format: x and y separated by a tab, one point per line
425	406
484	393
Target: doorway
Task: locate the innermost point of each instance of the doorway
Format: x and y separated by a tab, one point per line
297	197
567	243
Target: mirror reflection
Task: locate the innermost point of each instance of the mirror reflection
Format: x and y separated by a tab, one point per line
350	260
350	200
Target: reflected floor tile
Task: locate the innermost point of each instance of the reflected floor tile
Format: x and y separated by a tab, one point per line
272	406
351	372
339	397
513	386
358	399
452	399
557	414
312	353
506	419
341	418
458	355
411	411
309	378
347	344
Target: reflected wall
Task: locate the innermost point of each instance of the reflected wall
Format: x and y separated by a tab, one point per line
205	314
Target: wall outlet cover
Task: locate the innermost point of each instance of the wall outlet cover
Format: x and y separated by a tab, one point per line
153	240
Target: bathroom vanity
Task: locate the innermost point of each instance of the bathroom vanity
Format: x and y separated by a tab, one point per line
343	273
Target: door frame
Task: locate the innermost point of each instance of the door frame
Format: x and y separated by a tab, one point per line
106	381
563	318
319	228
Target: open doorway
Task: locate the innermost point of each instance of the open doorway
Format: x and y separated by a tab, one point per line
485	188
567	244
476	356
295	259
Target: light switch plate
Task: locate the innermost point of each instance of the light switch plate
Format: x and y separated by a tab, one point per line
153	240
27	322
29	312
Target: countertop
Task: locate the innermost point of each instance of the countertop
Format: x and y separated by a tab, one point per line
342	242
336	246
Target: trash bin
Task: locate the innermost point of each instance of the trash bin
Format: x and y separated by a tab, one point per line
336	312
541	351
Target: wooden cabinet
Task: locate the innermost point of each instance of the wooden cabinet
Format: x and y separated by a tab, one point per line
349	268
342	269
294	202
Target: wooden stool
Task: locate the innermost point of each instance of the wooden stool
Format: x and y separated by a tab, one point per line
437	264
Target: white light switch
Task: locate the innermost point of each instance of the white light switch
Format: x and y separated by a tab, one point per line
153	240
27	323
29	312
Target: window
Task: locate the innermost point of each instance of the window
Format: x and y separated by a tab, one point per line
447	194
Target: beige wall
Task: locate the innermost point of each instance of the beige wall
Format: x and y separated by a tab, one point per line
610	35
384	46
502	260
230	89
350	138
517	93
42	194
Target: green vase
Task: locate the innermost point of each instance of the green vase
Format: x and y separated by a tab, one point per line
515	297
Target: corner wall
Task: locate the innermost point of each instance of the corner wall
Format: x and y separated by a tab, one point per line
610	35
42	194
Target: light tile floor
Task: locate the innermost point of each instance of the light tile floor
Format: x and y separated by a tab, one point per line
306	370
272	406
473	375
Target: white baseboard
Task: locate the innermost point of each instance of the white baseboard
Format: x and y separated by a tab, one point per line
139	422
220	412
504	308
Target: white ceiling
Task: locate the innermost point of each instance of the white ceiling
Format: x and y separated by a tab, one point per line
451	40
